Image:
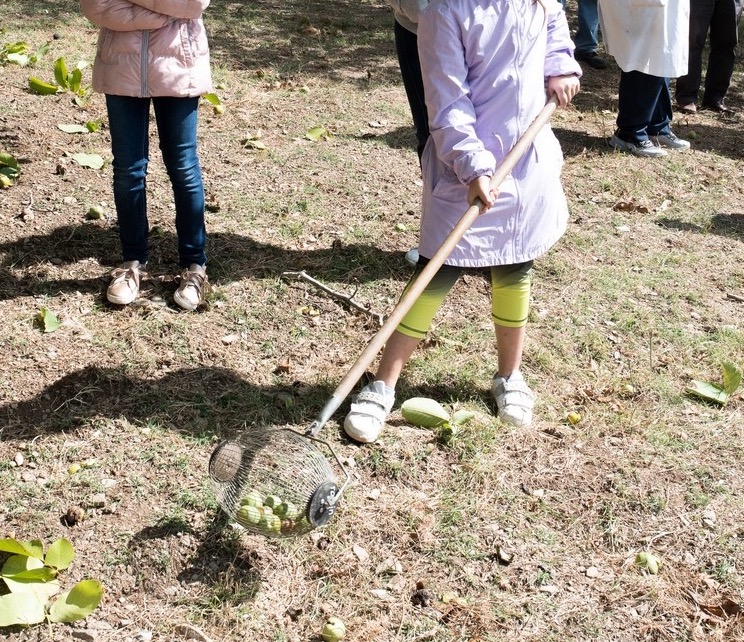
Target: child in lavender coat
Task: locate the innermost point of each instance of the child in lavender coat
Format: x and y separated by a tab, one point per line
488	68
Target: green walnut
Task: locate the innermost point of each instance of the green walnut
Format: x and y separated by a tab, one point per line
272	501
248	515
253	498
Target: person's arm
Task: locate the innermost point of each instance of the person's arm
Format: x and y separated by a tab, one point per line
181	9
559	60
562	72
451	112
410	8
122	15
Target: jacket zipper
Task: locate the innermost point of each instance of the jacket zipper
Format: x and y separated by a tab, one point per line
143	62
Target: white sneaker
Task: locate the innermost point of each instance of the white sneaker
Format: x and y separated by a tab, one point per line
637	148
671	140
193	288
125	282
514	399
369	409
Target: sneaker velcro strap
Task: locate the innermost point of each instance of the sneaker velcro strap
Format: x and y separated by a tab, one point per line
369	396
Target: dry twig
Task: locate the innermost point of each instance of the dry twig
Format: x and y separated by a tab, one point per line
347	299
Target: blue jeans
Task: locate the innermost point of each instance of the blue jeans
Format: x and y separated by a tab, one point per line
176	119
586	39
644	106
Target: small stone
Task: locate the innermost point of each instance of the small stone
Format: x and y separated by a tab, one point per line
19	459
98	500
592	572
143	636
192	633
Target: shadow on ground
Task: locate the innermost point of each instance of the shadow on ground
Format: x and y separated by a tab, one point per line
236	257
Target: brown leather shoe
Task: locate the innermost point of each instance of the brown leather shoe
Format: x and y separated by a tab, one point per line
689	108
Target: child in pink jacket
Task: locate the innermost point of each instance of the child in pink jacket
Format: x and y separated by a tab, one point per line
488	67
154	52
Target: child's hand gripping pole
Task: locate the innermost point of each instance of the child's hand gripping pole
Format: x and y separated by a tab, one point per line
435	262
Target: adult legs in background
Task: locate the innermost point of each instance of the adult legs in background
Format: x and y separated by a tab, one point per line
177	123
687	86
406	47
724	35
639	95
587	35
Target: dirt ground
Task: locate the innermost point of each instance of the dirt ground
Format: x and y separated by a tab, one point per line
504	534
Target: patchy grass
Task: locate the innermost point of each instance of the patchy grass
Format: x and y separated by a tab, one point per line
503	534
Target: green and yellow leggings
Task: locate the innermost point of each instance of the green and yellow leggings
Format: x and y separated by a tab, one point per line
510	297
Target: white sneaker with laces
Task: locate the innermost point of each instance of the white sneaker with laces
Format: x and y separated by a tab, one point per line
193	287
369	409
514	399
125	284
671	140
637	148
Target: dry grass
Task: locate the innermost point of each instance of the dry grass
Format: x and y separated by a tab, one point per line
642	295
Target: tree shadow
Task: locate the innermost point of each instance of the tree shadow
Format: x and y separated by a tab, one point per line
232	257
219	561
199	402
729	225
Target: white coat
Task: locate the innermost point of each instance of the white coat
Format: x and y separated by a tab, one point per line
650	36
484	64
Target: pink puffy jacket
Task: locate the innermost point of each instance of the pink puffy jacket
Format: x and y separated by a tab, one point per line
150	47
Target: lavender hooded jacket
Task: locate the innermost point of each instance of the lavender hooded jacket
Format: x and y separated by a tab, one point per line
485	63
150	47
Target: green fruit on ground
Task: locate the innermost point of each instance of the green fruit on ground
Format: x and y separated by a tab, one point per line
253	498
334	630
573	418
649	561
272	501
95	212
248	515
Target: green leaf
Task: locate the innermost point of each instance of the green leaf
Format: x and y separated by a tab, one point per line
47	321
41	51
212	99
731	377
74	129
462	417
60	72
708	391
60	554
317	133
94	161
93	126
424	412
75	80
77	603
10	172
23	574
38	86
20	608
8	159
29	549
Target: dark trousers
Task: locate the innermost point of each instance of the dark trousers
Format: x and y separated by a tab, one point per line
406	46
718	16
644	106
